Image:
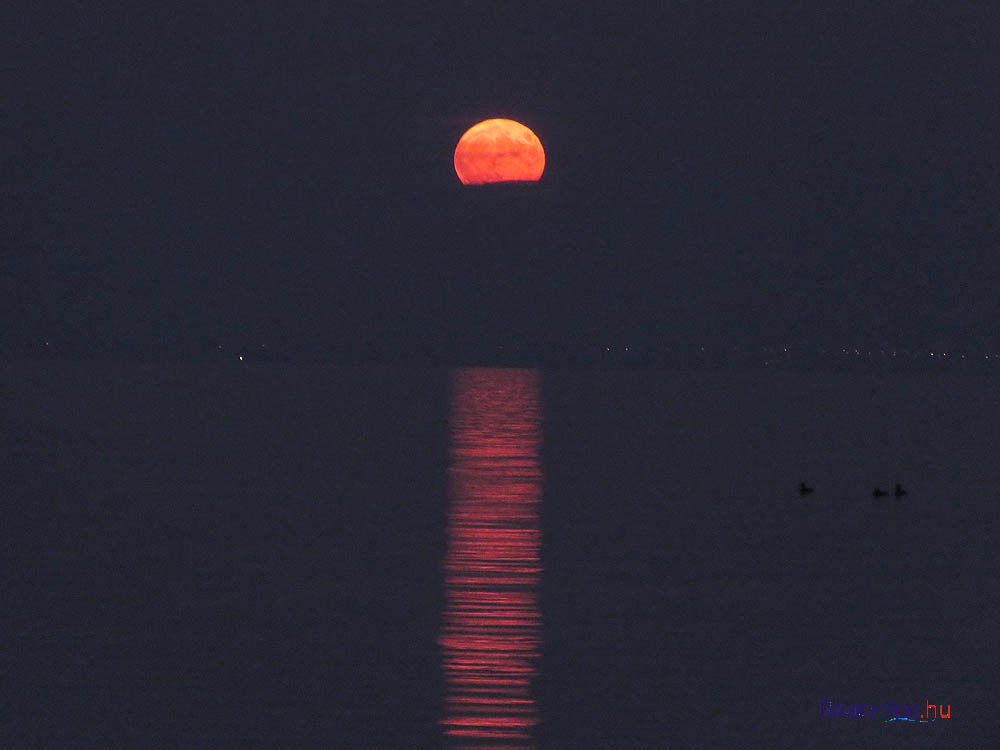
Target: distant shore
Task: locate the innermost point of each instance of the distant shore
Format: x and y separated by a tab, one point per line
780	358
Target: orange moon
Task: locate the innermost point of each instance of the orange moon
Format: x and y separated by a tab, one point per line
498	151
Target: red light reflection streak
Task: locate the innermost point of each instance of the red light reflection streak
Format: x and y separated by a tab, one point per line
492	627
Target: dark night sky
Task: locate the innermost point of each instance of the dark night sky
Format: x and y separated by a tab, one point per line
282	173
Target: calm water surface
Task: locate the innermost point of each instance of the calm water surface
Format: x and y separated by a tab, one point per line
275	556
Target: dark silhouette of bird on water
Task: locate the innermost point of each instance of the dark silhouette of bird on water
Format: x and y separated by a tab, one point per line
805	489
899	492
879	492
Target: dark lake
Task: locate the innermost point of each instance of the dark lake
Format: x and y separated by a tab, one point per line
267	555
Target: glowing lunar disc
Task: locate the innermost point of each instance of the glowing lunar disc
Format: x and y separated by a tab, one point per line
498	151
